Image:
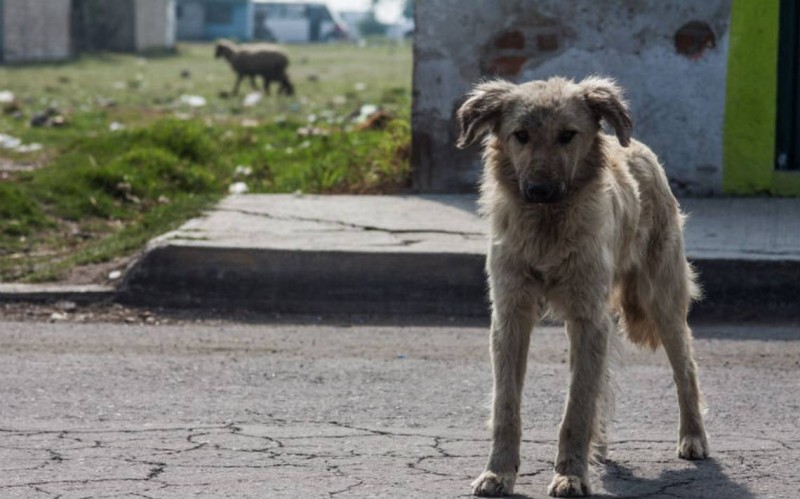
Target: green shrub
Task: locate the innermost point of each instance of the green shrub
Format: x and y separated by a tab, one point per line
118	175
149	173
19	214
186	139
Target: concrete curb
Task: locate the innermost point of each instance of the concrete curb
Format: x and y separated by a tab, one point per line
424	255
309	282
452	284
380	284
420	256
748	290
51	293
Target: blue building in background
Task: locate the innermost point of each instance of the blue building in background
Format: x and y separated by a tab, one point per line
211	19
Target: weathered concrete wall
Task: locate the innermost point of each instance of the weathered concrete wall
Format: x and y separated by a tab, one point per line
133	25
670	55
155	24
35	30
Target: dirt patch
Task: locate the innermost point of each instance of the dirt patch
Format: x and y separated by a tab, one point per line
108	312
106	273
66	311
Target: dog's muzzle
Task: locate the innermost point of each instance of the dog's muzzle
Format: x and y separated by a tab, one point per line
547	192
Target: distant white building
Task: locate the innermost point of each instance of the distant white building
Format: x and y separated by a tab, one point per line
34	30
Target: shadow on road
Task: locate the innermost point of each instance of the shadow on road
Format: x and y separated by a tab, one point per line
705	480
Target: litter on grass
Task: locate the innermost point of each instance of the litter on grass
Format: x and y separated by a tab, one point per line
237	188
252	99
193	100
14	144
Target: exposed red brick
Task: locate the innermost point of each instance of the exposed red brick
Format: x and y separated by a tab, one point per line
510	40
693	38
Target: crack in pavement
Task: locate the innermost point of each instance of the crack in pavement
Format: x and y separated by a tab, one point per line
342	453
68	481
156	470
350	225
346	489
55	456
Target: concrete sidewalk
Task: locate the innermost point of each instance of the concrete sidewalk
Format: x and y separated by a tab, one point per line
424	255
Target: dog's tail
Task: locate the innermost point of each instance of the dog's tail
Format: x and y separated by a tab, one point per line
606	400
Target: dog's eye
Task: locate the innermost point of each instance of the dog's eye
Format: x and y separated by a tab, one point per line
522	136
566	136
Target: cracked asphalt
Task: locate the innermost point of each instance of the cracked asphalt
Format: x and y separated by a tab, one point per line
220	409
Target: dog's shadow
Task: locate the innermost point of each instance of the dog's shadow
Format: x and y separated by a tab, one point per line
705	480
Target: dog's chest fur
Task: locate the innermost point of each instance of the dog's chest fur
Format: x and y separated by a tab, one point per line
559	243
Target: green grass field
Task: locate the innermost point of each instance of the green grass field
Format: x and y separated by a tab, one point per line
133	160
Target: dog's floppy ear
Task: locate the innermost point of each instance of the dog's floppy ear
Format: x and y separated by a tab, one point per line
482	110
604	98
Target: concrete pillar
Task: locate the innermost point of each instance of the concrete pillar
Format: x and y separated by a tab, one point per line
670	55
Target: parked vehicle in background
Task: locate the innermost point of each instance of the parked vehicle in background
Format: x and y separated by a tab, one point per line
297	22
401	29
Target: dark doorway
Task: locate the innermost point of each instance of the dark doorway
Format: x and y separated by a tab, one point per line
787	140
98	25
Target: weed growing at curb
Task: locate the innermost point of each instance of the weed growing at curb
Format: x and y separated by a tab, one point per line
108	195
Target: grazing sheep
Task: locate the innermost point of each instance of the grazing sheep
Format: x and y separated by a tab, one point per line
267	61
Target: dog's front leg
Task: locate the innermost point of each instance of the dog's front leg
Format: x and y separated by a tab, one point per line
588	346
512	321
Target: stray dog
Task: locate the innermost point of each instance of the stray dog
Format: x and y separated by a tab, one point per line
584	225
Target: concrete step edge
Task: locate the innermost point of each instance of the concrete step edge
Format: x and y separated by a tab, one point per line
402	283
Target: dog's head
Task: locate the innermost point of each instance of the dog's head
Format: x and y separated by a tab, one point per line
545	130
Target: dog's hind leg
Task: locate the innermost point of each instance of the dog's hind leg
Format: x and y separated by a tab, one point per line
513	316
677	340
673	280
588	348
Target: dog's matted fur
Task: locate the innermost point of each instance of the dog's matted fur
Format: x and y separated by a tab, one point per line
583	224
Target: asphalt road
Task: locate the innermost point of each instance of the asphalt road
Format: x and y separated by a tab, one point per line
224	409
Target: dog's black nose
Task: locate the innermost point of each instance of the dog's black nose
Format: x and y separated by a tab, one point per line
548	192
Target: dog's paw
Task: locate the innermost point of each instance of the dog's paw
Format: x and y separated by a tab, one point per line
693	447
569	486
491	484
